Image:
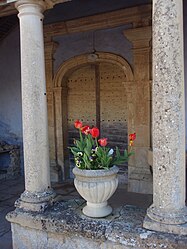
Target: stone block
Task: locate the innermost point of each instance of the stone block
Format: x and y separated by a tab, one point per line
63	226
26	238
138	186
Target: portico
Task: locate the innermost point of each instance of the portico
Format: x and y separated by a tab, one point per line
168	211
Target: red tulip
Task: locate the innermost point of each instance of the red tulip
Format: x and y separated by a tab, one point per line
132	136
103	141
85	129
94	132
78	124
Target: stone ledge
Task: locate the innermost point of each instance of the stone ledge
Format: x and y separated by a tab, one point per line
122	229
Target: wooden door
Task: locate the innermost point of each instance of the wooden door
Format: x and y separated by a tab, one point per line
96	96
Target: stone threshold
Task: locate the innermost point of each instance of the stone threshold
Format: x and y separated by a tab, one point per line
122	229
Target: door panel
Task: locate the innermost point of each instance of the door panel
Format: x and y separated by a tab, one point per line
108	109
113	105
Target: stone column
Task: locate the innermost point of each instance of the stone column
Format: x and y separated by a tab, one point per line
34	107
139	175
168	210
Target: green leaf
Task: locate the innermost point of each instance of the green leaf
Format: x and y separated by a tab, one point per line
117	152
86	161
125	153
79	145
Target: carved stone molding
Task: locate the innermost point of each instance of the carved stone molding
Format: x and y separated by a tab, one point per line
114	19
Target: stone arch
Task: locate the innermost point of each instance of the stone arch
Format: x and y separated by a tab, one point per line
60	94
75	62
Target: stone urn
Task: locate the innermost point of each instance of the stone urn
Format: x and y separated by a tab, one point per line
96	187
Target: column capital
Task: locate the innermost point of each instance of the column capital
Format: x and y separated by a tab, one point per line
47	4
30	6
140	37
50	48
141	43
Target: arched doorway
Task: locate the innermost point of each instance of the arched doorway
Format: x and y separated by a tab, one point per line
94	90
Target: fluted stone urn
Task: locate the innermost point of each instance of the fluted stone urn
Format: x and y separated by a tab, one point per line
96	187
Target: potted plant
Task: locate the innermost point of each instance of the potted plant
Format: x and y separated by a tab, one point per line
96	171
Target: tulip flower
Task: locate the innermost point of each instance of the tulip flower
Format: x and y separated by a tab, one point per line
94	132
91	152
132	136
78	124
103	141
85	129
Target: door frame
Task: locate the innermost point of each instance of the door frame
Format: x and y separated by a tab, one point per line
60	97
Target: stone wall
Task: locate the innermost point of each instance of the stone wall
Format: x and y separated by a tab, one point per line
106	40
65	227
10	91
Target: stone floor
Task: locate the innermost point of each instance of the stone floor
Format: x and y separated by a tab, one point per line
10	190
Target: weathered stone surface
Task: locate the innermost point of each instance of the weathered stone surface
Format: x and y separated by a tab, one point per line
64	226
168	120
139	177
9	192
34	106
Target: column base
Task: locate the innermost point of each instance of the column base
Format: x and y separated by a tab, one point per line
166	216
36	201
162	227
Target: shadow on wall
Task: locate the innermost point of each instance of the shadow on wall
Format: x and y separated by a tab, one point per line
12	139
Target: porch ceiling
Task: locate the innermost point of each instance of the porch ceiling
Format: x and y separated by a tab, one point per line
7	23
7	10
80	8
63	12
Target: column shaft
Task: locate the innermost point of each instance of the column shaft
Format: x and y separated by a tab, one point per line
168	117
34	105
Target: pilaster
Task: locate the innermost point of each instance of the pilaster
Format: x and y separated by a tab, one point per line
140	178
50	48
60	95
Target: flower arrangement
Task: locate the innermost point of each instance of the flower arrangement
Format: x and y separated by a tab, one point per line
91	153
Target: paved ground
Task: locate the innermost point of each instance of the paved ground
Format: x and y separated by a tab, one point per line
10	190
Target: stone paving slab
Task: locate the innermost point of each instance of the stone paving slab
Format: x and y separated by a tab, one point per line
10	191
